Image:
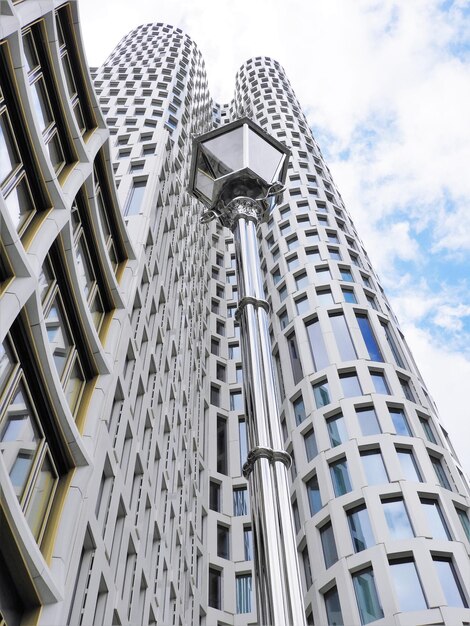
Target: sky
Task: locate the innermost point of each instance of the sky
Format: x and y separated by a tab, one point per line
385	85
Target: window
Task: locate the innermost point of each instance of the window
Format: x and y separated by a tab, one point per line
301	281
222	463
372	300
296	516
328	544
276	275
342	337
307	568
292	263
428	429
220	328
44	98
350	384
313	255
324	273
214	496
346	275
236	401
336	430
240	501
87	263
311	449
32	453
313	492
324	296
243	440
367	598
283	319
69	357
302	305
321	393
292	243
392	345
368	421
334	254
380	383
215	395
399	421
407	585
340	477
333	607
440	472
397	518
248	543
317	345
369	337
106	212
463	517
450	583
73	77
215	346
215	588
408	465
223	541
234	351
435	517
360	529
243	584
406	388
220	371
19	181
349	295
374	467
294	358
299	410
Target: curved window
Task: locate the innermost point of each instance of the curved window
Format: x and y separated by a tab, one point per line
31	458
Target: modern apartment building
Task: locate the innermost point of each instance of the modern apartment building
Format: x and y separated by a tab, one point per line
122	428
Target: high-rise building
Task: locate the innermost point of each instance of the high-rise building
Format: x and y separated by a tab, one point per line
122	429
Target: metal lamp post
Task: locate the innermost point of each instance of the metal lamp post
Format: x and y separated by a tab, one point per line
236	171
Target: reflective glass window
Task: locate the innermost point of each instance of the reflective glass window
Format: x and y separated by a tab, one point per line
436	522
327	538
449	582
408	464
321	393
398	521
337	430
244	589
407	585
317	345
350	384
343	337
368	421
360	528
400	422
374	467
340	477
333	607
369	337
313	492
367	597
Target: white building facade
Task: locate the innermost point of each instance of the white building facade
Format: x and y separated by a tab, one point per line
122	428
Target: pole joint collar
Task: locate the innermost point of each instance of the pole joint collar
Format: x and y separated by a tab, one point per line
262	452
256	302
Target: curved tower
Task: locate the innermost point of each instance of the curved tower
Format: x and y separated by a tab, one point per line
122	425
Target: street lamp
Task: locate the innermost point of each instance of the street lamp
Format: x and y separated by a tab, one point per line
237	172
